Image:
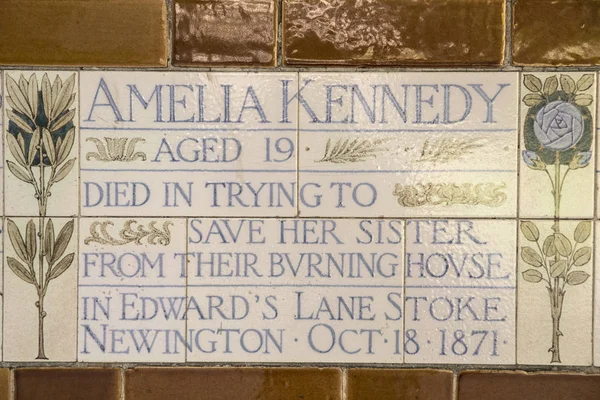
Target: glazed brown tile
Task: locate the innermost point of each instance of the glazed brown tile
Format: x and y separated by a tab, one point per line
551	32
239	32
393	32
533	386
5	384
389	384
233	384
83	32
67	384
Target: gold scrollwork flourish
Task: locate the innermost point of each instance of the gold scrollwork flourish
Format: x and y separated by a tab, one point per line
130	234
447	194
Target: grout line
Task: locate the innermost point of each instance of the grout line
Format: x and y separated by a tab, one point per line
170	14
455	386
518	190
12	387
122	385
279	33
344	383
508	25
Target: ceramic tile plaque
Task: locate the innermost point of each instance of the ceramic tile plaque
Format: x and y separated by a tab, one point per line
361	218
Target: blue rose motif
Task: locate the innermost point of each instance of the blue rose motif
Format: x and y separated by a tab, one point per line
558	126
533	160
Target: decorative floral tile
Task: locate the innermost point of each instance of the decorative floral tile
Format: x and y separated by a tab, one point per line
557	142
291	290
554	319
40	289
408	144
460	292
41	142
157	144
132	294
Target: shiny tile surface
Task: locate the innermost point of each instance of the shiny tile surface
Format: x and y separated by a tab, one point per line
68	384
232	32
387	32
233	384
388	384
568	33
83	32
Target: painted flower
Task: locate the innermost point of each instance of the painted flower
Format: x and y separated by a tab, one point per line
580	160
558	126
533	160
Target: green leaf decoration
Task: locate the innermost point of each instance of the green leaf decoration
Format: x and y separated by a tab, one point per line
577	278
64	170
31	239
16	240
532	82
16	150
62	266
533	276
530	231
550	85
531	257
585	82
32	95
549	248
62	240
582	256
47	94
65	147
19	121
19	270
583	99
567	84
16	98
558	268
49	241
583	231
18	172
33	146
48	145
563	245
532	99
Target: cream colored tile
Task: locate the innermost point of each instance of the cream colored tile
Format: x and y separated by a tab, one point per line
132	291
408	144
40	292
286	290
157	144
460	292
555	293
557	123
40	104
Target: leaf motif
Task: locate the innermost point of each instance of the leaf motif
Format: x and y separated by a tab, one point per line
31	239
32	95
18	172
532	99
15	149
549	248
550	85
62	240
532	82
583	99
49	145
533	276
19	121
531	257
56	87
577	278
582	256
33	146
563	245
530	231
64	170
63	120
49	241
585	82
23	85
62	266
16	240
19	270
66	146
47	95
64	96
16	98
582	231
567	84
558	268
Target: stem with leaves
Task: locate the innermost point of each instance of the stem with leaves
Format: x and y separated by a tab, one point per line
37	140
